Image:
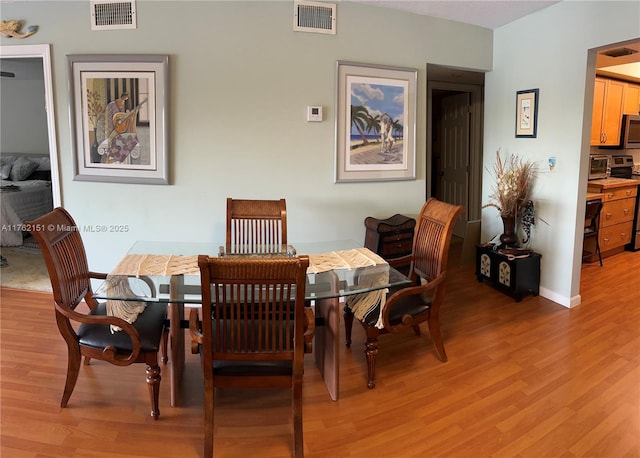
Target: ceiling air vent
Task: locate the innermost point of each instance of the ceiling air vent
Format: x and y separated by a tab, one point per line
619	52
314	17
112	15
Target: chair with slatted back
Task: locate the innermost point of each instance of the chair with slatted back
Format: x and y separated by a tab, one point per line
253	336
89	334
255	226
408	307
591	229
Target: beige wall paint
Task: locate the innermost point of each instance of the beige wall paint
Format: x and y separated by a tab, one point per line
241	80
549	50
240	83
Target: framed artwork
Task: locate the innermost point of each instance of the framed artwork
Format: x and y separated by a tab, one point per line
527	113
118	115
375	123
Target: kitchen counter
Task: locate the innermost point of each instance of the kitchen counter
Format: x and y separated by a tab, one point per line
610	183
595	196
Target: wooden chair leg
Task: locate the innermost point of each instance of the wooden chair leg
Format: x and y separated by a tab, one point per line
153	381
371	351
73	369
348	325
436	338
298	442
208	418
165	345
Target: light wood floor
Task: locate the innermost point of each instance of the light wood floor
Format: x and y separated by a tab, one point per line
528	379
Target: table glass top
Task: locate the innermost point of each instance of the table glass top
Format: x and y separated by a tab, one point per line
338	282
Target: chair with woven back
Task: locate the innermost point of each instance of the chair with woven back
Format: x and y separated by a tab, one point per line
407	307
256	226
90	334
252	336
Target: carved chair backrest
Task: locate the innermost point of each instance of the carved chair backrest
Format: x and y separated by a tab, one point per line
433	238
256	226
259	309
59	239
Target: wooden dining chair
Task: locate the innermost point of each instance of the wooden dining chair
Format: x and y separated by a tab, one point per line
253	334
256	226
408	307
89	334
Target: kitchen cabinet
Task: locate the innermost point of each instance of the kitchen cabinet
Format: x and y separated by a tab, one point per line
631	99
606	121
616	217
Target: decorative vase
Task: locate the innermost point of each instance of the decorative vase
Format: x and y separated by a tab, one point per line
508	237
95	157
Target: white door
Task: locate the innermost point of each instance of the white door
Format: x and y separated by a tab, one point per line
454	171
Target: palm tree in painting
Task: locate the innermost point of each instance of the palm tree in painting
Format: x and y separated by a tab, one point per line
360	119
398	129
373	123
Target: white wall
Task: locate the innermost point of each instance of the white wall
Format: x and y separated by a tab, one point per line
548	50
23	119
241	80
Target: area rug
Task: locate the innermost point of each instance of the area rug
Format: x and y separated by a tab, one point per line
25	268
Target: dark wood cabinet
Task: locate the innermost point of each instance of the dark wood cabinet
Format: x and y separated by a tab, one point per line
514	275
391	238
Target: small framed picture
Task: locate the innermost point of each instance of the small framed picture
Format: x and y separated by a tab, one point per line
527	113
375	123
118	111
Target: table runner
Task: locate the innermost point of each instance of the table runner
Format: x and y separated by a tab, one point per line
137	265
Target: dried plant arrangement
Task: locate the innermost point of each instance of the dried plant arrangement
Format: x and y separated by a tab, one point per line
512	191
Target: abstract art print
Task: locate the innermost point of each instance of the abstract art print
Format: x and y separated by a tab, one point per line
119	115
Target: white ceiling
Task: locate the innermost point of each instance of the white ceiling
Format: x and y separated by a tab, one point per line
490	14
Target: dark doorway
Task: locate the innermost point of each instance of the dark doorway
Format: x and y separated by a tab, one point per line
455	100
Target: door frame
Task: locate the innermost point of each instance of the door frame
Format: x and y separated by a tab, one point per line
476	92
42	52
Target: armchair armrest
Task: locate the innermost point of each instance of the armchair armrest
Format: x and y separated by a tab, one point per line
109	352
195	330
98	275
429	289
309	329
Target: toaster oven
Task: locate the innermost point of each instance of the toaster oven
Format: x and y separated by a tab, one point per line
599	166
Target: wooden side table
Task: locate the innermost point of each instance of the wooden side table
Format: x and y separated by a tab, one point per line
513	275
391	238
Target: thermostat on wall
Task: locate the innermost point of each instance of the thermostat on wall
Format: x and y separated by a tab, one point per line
314	113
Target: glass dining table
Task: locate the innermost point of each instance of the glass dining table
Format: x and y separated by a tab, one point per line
338	269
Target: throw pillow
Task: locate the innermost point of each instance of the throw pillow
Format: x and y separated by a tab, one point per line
22	168
44	163
4	160
6	170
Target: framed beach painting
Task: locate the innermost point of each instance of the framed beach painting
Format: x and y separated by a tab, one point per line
527	113
118	115
375	123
